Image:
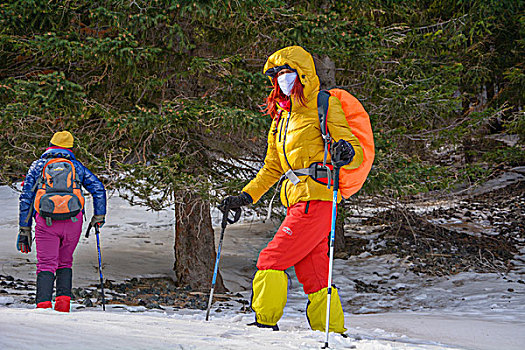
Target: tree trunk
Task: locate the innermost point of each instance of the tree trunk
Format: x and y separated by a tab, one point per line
325	69
339	243
194	244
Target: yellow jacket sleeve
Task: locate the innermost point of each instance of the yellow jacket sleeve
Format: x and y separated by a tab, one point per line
269	173
339	129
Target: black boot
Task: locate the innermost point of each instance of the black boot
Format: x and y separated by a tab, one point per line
260	325
44	289
64	277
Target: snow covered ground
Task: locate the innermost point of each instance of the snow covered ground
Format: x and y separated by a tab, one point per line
387	306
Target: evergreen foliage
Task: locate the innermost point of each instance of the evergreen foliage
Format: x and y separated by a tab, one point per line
165	96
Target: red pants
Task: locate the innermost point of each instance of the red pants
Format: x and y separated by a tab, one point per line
302	242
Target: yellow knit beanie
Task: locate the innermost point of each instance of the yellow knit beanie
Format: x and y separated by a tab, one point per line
62	139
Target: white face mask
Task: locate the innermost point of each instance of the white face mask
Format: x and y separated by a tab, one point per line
286	82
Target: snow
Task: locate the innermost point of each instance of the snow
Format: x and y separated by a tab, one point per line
6	300
23	329
402	310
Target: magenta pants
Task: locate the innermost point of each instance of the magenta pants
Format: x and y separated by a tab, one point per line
56	244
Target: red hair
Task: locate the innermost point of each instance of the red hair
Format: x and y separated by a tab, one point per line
277	95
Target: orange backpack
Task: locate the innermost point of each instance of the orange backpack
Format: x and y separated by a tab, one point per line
59	195
350	181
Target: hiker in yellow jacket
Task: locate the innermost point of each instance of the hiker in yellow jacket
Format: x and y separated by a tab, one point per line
295	142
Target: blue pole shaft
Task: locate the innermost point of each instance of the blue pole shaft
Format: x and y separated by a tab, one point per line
100	268
215	270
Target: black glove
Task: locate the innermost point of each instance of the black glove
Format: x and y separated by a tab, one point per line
341	153
100	220
234	202
96	220
25	238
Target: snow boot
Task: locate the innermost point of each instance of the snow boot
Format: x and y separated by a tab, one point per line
44	305
63	298
275	328
44	289
62	303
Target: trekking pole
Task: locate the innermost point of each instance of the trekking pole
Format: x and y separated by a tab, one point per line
97	232
225	221
330	266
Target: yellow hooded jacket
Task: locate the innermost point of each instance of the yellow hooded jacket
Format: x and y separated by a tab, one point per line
296	141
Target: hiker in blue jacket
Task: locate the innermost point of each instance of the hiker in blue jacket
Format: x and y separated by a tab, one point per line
56	239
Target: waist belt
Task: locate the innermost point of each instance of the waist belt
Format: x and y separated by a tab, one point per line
316	171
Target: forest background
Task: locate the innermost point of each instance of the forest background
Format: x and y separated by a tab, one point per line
164	97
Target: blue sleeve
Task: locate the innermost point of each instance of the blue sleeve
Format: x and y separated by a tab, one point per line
28	194
97	190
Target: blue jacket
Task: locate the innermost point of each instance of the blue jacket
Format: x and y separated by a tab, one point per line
87	178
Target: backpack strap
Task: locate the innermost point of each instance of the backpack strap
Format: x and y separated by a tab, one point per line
322	110
38	182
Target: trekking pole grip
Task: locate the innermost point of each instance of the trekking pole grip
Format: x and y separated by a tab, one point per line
336	178
224	222
88	230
